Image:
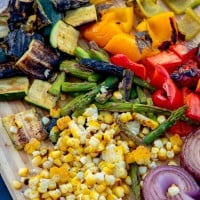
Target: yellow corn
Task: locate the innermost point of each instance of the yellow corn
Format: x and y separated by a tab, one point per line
23	172
17	185
55	112
32	145
125	117
145	121
81	120
119	191
37	161
55	194
162	154
176	149
176	140
117	95
100	188
62	122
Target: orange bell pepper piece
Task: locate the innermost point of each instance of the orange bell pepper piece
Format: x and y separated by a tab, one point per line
113	22
160	27
126	44
101	32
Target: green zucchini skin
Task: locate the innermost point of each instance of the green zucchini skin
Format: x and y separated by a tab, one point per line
13	88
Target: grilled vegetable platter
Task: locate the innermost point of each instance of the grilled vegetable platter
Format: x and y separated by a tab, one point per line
100	100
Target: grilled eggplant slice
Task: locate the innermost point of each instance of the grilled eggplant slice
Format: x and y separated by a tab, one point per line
9	70
18	42
13	88
81	15
23	126
38	95
38	61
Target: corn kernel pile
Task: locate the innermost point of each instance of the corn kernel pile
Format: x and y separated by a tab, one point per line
90	160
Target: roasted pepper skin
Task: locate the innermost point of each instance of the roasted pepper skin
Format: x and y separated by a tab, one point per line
161	28
169	96
168	59
181	128
122	60
193	103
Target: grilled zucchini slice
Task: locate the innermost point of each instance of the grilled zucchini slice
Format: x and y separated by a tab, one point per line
64	37
38	95
13	88
81	15
23	126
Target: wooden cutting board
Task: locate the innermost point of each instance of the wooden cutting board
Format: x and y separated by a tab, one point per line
11	159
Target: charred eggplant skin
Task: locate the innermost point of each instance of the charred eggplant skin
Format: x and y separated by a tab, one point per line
9	70
17	49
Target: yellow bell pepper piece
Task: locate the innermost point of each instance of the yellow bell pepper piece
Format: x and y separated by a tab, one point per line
123	17
97	1
160	27
101	32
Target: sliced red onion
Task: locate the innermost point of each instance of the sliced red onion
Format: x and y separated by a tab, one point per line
159	179
190	154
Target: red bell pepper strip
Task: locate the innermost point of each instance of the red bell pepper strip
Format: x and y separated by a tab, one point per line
168	59
169	97
158	76
182	128
185	92
193	103
198	86
123	61
184	50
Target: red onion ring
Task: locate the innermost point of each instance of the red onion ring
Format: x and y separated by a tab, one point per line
190	154
159	179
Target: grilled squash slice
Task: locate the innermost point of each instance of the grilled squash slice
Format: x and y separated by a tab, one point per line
23	126
38	94
13	88
81	15
64	37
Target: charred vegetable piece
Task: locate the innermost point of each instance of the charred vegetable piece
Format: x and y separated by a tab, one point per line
42	18
23	39
38	95
23	126
82	101
51	13
81	15
73	68
160	181
38	61
189	154
62	5
102	67
3	56
9	70
13	88
19	13
64	37
187	74
126	84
